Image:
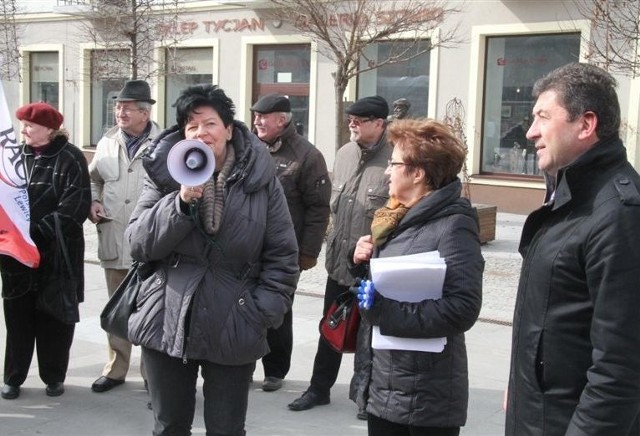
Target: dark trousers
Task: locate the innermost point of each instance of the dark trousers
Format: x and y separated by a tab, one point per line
26	327
280	340
327	362
382	427
172	385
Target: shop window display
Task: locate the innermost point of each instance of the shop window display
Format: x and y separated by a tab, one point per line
512	65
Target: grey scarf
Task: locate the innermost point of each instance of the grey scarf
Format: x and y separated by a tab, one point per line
212	204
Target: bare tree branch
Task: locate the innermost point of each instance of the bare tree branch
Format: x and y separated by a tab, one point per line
344	29
126	33
615	26
9	53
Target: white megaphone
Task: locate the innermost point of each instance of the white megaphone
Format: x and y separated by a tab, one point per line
191	162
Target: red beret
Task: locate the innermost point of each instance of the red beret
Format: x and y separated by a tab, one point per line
40	113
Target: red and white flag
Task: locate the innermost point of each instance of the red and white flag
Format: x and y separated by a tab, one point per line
15	214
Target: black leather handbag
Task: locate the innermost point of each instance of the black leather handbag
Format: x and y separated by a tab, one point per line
114	318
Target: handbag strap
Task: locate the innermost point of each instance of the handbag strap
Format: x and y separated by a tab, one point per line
345	305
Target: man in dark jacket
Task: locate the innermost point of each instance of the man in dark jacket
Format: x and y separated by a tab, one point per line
360	187
303	174
575	365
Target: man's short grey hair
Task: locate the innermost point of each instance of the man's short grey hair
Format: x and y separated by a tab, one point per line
144	106
288	116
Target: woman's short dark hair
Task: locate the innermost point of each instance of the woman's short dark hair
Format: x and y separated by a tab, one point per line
197	96
430	145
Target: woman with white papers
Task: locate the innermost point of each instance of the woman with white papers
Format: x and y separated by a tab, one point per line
405	391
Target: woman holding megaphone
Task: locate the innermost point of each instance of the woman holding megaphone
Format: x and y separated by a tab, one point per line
224	256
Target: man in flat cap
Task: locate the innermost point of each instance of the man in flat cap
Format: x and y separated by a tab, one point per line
303	173
116	182
359	188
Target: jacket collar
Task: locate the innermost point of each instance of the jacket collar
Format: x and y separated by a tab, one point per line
562	188
369	153
441	202
54	147
286	136
253	162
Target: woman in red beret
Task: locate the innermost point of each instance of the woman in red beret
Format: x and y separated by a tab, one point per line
40	307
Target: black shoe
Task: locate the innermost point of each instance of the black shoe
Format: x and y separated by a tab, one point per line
309	400
10	392
104	384
271	384
55	389
362	414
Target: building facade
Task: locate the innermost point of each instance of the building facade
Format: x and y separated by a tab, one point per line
506	45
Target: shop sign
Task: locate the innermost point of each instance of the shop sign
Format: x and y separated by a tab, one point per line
213	26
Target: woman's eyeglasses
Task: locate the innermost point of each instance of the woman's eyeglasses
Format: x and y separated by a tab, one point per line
391	164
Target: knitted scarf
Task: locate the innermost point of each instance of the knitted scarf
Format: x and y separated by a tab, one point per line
212	203
386	220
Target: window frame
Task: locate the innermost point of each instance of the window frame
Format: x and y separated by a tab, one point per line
475	113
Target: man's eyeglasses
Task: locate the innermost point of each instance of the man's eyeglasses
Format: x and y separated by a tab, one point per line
356	121
126	110
392	164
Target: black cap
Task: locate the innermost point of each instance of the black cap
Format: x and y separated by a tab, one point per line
272	103
375	106
135	90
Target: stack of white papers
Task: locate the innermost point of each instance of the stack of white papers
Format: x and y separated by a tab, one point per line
411	278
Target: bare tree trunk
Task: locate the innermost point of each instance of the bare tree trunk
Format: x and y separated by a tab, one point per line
340	82
339	118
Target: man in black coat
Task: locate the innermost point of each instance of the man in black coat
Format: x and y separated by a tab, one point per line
303	174
575	365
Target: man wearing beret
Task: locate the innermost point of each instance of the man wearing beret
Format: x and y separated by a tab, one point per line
303	174
116	182
359	188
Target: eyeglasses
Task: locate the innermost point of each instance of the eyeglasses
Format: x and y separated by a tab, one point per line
357	121
126	110
392	164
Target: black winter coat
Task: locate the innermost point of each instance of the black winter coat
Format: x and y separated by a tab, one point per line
303	173
420	388
58	184
213	298
575	362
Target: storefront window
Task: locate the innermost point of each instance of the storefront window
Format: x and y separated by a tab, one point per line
185	67
512	66
108	75
285	69
408	79
44	77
